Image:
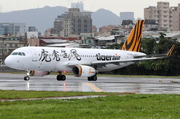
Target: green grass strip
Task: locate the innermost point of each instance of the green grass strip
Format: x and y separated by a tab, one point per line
135	106
14	94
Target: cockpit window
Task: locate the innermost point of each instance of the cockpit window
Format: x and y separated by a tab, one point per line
14	53
18	53
23	54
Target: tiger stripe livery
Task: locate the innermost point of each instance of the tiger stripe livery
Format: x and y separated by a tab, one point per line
133	41
171	50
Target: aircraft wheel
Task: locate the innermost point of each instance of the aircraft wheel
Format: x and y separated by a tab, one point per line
61	77
93	78
26	78
58	77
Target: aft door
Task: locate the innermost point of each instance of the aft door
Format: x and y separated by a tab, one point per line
34	55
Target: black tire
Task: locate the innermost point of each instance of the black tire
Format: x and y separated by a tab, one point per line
58	77
89	79
93	78
26	78
61	77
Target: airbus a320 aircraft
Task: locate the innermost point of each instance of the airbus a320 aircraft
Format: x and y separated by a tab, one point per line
40	61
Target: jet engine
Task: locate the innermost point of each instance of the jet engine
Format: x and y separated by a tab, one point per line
38	73
83	71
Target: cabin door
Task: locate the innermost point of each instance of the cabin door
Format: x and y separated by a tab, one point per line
34	55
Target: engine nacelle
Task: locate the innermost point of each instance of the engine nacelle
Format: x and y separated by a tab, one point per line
83	71
38	73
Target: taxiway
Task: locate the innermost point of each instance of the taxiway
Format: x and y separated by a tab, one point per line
136	85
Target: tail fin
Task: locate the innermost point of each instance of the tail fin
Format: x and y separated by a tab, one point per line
133	41
171	50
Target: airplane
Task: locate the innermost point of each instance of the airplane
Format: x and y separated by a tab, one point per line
40	61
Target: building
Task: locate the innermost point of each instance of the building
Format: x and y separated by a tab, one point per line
156	35
105	41
32	29
87	40
167	18
106	29
94	29
32	36
12	28
7	45
151	13
175	18
150	25
163	15
79	5
127	24
127	16
73	23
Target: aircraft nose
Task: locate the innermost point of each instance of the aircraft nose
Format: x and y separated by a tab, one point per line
8	61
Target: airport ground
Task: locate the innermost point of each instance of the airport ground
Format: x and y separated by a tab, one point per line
145	105
138	85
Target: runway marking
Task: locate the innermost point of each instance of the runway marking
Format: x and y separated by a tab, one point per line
96	89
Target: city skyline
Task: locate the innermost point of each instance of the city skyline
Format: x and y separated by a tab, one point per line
136	6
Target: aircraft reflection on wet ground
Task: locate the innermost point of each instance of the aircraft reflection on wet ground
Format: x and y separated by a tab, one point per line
103	84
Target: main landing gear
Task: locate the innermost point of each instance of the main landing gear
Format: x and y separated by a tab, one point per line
61	77
93	78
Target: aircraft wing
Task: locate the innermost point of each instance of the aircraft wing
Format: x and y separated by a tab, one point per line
135	59
115	61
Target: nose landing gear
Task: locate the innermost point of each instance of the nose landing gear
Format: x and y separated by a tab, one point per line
27	78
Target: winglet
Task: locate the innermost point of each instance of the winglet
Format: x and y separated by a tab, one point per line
133	41
171	50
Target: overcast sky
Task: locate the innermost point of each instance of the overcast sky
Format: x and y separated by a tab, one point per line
116	6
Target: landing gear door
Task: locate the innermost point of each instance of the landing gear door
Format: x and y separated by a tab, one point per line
34	55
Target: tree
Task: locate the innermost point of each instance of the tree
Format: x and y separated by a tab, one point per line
115	46
161	35
148	45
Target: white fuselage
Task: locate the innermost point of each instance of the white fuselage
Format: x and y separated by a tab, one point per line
59	59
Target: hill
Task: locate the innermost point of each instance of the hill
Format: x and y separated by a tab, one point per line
43	18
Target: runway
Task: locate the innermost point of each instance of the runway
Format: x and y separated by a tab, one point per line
103	84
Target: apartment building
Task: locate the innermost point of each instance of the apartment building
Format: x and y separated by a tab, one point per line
175	18
7	45
12	28
73	23
167	18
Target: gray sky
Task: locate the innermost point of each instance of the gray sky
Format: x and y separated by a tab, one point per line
116	6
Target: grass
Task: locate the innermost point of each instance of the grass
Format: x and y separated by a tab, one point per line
14	94
134	106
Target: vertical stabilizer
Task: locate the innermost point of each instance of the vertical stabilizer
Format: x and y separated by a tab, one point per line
133	41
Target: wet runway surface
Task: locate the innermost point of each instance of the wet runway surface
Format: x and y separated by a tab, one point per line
103	84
